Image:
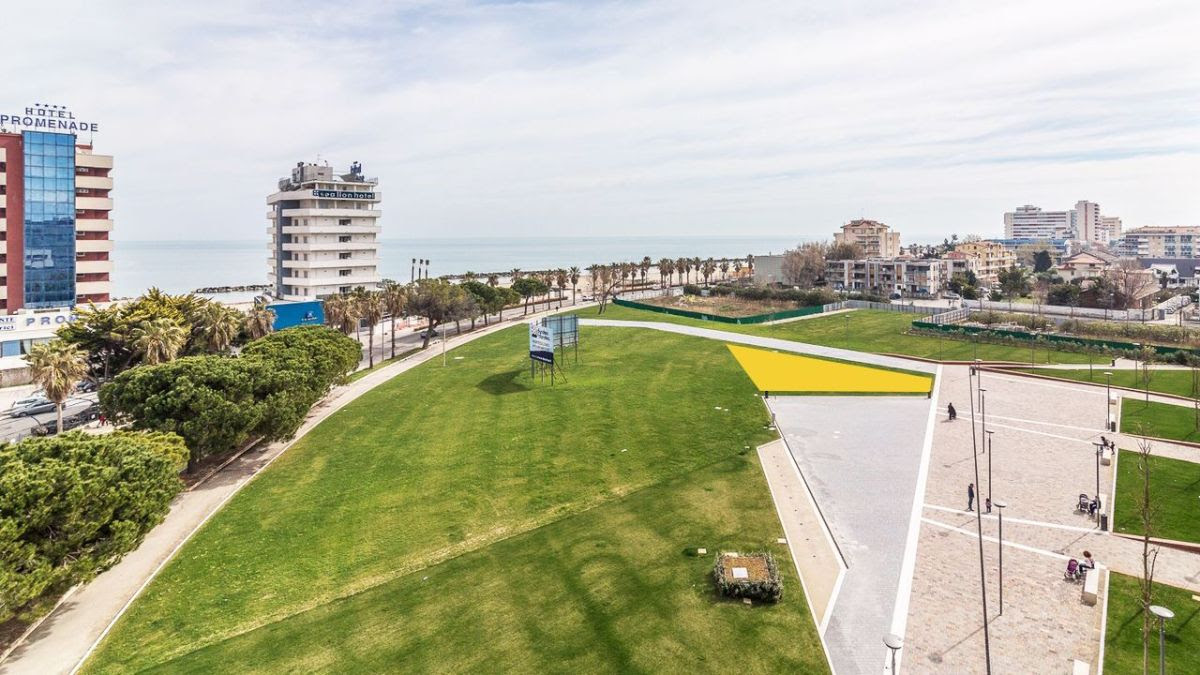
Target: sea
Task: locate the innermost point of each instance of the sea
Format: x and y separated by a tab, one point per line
184	266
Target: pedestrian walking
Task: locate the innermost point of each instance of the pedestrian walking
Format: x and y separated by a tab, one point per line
988	505
970	496
951	411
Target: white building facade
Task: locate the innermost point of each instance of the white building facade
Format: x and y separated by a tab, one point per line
1082	223
324	233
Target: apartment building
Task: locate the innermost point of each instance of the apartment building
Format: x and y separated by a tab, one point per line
1082	223
876	239
1160	242
55	213
910	277
988	257
324	233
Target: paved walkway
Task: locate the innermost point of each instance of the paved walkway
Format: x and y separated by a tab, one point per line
861	455
771	343
1042	459
811	545
70	632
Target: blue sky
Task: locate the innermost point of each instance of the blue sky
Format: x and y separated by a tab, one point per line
621	118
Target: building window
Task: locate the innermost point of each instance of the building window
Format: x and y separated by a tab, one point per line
50	214
345	255
343	238
343	273
343	221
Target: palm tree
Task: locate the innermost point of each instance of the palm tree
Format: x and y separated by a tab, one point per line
395	301
573	275
560	279
259	321
681	268
158	340
217	326
644	268
724	268
57	366
469	276
710	266
666	266
371	308
737	268
750	264
335	312
493	279
513	275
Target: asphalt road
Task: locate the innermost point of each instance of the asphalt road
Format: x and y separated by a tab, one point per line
16	428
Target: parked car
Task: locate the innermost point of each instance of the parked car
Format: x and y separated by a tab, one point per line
32	405
89	414
951	295
86	386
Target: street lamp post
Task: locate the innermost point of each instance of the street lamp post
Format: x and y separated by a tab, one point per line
1163	614
975	442
1099	452
1001	506
982	413
894	643
989	433
1108	400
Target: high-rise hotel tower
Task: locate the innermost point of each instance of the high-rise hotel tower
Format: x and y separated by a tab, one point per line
324	233
55	204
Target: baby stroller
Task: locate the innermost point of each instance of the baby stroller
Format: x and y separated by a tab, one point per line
1074	571
1084	505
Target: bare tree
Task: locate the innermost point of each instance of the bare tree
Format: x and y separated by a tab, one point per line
1146	356
1149	555
1132	282
805	264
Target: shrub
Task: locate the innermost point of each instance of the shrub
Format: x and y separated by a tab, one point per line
691	289
71	505
769	589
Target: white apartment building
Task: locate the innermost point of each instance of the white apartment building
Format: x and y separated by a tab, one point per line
1082	223
908	276
324	233
1160	242
876	239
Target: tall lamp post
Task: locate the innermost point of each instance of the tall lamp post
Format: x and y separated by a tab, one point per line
1163	614
1108	400
975	442
1000	513
982	413
1099	452
894	643
989	433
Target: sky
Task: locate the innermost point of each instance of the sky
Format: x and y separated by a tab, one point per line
543	119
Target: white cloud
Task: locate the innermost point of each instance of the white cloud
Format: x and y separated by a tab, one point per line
656	118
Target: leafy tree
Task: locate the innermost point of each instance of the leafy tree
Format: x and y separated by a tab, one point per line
845	251
484	297
1014	282
1042	262
71	505
435	299
57	366
529	287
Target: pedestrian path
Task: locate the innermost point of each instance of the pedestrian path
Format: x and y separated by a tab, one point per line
68	635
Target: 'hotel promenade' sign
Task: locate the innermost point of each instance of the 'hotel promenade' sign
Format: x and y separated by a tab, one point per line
50	118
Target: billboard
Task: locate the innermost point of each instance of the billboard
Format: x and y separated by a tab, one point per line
288	314
565	329
541	343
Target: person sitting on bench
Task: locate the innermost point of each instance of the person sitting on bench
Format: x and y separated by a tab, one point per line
1088	563
1094	506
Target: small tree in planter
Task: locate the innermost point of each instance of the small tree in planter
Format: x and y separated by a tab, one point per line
756	576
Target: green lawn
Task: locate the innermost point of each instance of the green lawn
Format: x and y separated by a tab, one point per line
1175	489
1174	381
465	518
1123	639
861	330
1161	420
359	374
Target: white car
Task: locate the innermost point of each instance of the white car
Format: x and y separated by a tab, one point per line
31	405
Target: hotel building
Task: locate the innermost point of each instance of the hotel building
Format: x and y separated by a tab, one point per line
1082	223
55	206
324	233
1160	242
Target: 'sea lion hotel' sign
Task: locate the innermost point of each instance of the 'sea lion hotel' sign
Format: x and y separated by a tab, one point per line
46	118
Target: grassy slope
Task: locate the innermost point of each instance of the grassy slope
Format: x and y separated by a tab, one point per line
563	532
864	330
1123	641
1175	489
1177	382
1162	420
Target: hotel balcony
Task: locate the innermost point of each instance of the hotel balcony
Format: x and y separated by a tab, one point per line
86	158
328	213
93	245
94	203
330	246
93	287
329	229
93	266
335	263
352	280
93	224
94	182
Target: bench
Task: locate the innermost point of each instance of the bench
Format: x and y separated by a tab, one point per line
1080	667
1091	587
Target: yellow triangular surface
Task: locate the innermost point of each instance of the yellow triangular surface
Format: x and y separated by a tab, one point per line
783	372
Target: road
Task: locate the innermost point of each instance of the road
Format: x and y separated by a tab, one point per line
16	428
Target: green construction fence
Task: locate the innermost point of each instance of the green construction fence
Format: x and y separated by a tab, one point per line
757	318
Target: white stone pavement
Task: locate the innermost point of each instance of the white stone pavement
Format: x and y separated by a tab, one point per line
66	637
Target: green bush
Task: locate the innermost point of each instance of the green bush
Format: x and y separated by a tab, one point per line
768	590
72	505
218	403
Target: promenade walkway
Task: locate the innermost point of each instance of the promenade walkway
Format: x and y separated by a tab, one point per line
68	635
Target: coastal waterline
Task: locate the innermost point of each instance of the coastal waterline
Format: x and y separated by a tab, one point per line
182	266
